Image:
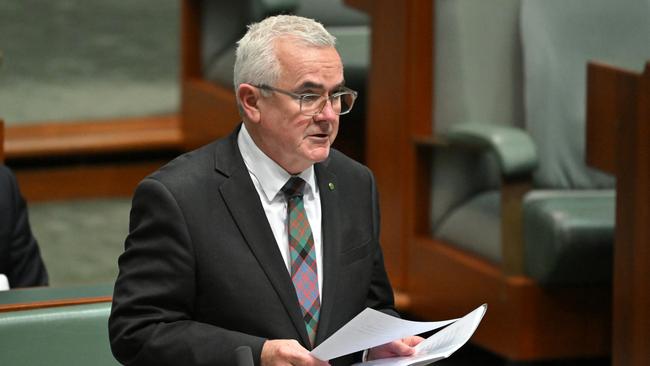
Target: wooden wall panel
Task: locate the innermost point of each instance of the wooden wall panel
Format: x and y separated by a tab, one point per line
83	181
2	140
618	141
400	106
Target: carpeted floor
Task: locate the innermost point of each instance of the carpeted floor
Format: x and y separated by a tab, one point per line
81	240
86	59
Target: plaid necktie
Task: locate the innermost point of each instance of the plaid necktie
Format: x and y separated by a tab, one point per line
303	256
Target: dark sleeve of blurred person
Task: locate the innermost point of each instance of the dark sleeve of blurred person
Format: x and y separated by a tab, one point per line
20	258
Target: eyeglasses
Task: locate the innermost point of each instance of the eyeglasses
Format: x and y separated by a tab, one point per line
312	104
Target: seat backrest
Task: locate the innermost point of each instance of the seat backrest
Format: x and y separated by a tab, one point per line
224	23
528	70
331	13
64	335
559	38
478	80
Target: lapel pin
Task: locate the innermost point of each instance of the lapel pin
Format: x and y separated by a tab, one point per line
331	186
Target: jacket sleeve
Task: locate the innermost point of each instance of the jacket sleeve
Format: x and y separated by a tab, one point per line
151	321
26	266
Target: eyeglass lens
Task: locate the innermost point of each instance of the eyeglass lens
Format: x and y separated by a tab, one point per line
313	105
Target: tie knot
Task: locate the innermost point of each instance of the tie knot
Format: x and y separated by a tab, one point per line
293	187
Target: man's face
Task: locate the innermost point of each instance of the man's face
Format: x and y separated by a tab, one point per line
291	139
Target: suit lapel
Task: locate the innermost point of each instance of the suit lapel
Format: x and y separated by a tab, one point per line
242	200
331	236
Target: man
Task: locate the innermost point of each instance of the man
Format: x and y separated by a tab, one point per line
20	258
223	252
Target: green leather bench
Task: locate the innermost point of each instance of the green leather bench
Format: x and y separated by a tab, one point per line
34	297
55	326
62	335
567	234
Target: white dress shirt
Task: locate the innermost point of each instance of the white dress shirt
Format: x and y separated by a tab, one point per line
269	178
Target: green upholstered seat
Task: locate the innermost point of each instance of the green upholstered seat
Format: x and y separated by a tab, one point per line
484	235
567	219
223	23
66	335
568	236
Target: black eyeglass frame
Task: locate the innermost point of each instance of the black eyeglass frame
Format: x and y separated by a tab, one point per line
302	97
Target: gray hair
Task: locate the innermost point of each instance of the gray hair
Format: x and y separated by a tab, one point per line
256	61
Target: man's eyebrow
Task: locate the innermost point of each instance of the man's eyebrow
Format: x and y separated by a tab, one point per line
313	85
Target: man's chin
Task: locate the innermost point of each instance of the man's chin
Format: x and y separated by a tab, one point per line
319	154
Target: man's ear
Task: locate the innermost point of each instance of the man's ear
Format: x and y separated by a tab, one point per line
248	97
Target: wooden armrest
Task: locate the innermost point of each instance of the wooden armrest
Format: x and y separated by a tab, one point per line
515	183
512	228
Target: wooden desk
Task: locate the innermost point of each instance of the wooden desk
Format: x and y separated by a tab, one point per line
46	297
618	142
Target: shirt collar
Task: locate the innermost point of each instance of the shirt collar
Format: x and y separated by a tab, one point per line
271	176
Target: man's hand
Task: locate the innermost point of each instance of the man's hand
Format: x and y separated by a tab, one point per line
285	352
398	348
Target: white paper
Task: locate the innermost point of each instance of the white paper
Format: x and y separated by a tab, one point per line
440	345
369	329
4	282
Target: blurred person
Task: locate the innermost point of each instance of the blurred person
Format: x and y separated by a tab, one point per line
20	257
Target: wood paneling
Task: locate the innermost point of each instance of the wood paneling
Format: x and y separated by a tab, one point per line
611	96
83	181
190	40
77	160
208	111
524	321
93	137
2	141
400	94
618	141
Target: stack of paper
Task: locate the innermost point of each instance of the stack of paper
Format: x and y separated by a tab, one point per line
372	328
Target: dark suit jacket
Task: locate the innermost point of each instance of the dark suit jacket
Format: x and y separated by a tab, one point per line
201	273
20	259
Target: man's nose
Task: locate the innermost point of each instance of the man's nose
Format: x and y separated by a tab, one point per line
327	113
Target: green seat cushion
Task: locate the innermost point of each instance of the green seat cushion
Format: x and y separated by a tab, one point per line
66	335
475	226
569	236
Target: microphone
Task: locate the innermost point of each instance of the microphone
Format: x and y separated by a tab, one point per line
244	356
